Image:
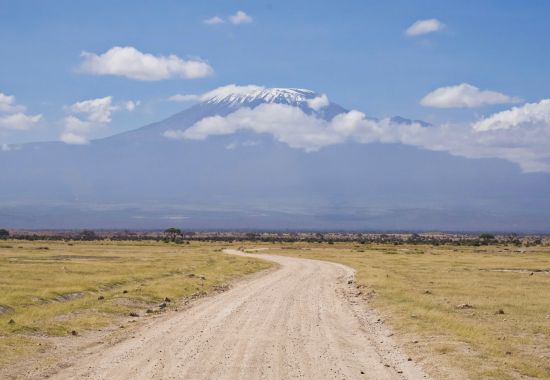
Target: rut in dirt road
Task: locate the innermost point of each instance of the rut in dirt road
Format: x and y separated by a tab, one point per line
292	322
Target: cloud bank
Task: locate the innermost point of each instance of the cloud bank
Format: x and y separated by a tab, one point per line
422	27
133	64
520	135
528	115
13	116
465	95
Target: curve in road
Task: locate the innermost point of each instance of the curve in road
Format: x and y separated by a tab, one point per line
293	322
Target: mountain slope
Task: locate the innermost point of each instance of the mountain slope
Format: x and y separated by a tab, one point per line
141	179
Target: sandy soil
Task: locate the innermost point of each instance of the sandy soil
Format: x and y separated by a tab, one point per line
299	321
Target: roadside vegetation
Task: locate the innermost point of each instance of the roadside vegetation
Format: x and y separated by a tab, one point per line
52	289
178	236
484	311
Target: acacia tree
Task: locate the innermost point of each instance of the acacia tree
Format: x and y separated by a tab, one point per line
172	233
88	235
4	234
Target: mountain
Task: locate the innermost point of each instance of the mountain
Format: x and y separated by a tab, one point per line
222	102
250	180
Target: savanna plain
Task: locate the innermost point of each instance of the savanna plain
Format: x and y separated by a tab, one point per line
459	311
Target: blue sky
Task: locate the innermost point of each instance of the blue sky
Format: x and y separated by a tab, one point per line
357	52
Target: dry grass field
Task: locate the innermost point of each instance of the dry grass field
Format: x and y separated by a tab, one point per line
475	312
483	311
50	289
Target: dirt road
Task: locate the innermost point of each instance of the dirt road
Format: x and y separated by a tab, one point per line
293	322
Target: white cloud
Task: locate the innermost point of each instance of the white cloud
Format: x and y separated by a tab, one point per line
73	138
421	27
175	134
318	103
286	123
214	21
530	114
520	135
93	113
131	63
131	105
184	98
74	124
465	95
8	105
13	116
240	18
97	110
76	131
19	121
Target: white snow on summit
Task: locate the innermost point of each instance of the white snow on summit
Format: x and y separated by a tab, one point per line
238	95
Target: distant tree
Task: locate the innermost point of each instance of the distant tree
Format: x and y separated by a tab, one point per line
486	236
88	235
172	233
4	234
414	238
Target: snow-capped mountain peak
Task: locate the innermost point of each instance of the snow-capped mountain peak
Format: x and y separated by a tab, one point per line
232	97
240	95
